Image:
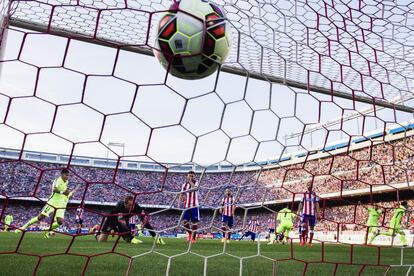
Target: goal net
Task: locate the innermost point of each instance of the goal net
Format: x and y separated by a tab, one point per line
314	93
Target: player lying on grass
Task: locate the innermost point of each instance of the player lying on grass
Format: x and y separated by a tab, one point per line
56	204
252	229
118	221
395	226
285	224
227	212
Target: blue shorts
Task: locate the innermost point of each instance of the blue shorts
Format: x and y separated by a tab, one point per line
251	234
132	226
192	215
308	219
271	230
228	219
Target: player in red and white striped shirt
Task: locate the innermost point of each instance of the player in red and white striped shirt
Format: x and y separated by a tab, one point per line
271	227
190	202
227	212
252	229
133	224
253	226
309	209
136	228
79	220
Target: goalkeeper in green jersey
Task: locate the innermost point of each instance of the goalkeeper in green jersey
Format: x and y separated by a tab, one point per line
285	224
7	222
396	224
56	204
372	222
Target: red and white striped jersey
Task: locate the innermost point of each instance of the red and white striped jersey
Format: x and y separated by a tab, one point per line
79	213
299	221
133	220
228	205
309	201
191	195
271	223
253	226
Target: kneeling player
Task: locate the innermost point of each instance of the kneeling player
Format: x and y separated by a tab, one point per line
309	209
119	222
227	214
252	230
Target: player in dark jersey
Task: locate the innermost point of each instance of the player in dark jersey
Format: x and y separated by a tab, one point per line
118	221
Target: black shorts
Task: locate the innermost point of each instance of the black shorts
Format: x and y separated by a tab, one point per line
113	224
79	221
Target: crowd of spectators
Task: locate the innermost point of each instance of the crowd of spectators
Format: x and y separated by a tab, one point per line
347	217
380	164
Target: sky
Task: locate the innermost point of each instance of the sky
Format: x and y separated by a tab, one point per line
158	117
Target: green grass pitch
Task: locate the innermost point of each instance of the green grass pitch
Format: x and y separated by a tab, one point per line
153	260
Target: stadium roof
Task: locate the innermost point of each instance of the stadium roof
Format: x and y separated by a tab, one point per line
396	132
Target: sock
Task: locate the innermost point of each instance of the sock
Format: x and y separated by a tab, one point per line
304	235
194	228
371	239
310	236
224	232
402	237
229	235
150	230
54	225
187	227
30	222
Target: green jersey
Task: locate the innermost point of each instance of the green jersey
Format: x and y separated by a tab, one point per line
374	216
61	186
285	216
396	219
8	219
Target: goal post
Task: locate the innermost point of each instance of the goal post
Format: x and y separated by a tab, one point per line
314	95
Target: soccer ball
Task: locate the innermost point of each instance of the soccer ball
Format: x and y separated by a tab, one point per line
192	39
